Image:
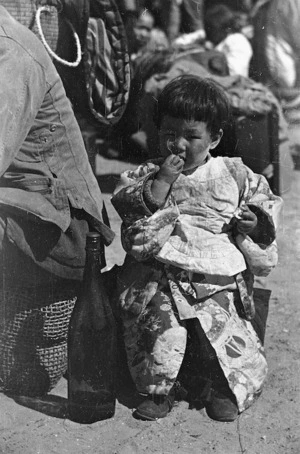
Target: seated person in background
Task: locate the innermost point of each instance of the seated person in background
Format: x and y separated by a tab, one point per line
223	30
181	20
144	35
196	229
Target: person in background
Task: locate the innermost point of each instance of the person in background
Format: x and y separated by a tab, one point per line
276	59
145	36
142	31
224	31
50	200
196	230
181	20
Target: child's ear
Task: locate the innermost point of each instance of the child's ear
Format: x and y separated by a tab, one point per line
216	140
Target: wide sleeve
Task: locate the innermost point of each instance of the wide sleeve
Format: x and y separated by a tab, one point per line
260	254
143	233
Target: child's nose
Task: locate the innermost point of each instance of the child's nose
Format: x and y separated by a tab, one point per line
177	145
181	144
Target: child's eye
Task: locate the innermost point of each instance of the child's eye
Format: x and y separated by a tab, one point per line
193	138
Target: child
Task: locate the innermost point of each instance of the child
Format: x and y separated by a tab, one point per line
225	33
144	36
195	228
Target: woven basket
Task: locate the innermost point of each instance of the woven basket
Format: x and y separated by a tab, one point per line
24	11
33	341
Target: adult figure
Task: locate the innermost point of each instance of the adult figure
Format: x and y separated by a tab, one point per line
49	200
276	58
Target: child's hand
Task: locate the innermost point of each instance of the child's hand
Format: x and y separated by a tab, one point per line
170	169
246	221
142	170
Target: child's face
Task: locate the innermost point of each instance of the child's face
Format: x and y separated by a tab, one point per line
142	29
189	139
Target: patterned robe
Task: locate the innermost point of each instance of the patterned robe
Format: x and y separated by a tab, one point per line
185	261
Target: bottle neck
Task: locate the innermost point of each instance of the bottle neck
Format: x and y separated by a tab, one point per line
93	260
95	247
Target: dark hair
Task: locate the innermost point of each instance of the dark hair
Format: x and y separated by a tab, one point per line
218	17
195	99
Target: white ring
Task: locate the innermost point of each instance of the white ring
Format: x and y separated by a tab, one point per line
50	51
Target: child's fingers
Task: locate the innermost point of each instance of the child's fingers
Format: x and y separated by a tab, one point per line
245	226
144	169
174	163
151	166
170	159
177	162
173	159
247	214
244	223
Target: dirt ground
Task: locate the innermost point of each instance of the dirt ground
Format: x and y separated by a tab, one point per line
271	426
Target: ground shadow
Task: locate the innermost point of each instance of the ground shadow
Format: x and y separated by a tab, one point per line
261	301
57	406
50	405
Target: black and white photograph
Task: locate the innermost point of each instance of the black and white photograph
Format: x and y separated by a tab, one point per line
149	226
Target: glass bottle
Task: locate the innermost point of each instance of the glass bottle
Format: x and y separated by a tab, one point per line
92	344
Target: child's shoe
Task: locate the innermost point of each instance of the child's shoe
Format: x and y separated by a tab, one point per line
222	407
155	406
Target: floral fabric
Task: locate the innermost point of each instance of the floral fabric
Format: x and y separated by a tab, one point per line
156	344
